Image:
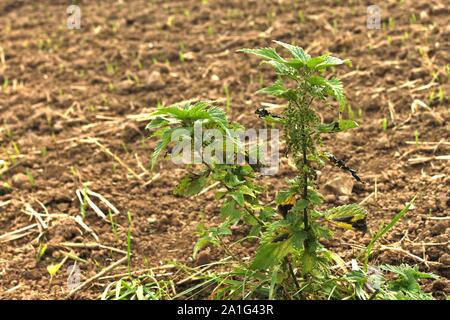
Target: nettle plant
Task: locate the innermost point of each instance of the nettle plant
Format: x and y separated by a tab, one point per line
291	261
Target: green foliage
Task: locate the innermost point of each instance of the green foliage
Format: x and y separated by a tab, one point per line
291	261
145	287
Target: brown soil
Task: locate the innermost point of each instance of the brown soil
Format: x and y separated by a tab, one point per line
60	92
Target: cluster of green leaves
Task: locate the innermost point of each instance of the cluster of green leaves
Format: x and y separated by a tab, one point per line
303	223
237	191
145	287
291	261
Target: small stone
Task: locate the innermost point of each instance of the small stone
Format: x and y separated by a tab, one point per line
215	78
125	86
155	81
204	257
445	259
382	142
343	199
438	228
57	254
188	56
330	198
21	181
342	185
439	285
164	220
424	17
163	68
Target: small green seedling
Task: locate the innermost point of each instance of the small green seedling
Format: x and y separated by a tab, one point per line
30	177
226	90
300	16
416	137
129	238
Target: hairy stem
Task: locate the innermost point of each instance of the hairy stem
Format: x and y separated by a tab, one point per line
305	177
291	272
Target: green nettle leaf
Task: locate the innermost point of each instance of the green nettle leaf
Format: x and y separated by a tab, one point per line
348	210
191	185
267	53
407	277
297	52
270	254
157	123
282	68
230	210
279	90
284	195
308	261
313	62
238	197
189	111
300	205
333	86
246	190
326	61
328	127
314	197
336	126
161	145
350	216
298	238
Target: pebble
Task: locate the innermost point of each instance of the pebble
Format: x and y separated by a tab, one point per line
155	80
342	185
330	198
20	181
445	259
424	17
204	257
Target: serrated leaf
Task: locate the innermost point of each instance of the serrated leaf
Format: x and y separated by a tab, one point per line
337	126
298	238
313	62
297	52
157	123
191	185
238	197
300	205
282	68
333	86
161	145
308	262
283	196
350	216
278	90
188	110
326	61
270	254
267	53
229	210
348	210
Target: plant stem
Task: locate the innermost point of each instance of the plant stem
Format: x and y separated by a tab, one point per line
291	272
305	177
